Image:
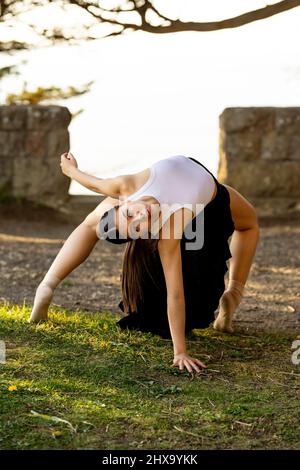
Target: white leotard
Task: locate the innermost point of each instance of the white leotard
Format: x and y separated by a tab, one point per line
178	182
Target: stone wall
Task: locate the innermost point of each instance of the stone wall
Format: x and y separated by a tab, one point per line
32	138
260	156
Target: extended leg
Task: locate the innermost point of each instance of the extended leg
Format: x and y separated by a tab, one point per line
74	251
242	246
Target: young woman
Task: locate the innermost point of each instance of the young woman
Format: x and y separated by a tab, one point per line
170	285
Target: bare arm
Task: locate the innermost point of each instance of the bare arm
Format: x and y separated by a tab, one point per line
109	186
170	254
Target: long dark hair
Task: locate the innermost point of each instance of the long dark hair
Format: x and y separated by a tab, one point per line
138	260
137	264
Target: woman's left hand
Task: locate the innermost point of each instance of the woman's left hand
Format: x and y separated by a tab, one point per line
67	163
184	360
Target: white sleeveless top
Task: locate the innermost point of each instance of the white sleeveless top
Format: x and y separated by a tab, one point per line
178	182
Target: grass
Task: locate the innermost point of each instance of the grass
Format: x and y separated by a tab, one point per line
79	382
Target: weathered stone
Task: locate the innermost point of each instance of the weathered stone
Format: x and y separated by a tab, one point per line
30	153
245	147
39	182
275	206
11	143
35	144
6	173
273	147
47	117
294	147
287	120
13	117
239	119
263	178
260	154
280	147
57	143
254	133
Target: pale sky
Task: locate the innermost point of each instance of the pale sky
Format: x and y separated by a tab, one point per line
161	95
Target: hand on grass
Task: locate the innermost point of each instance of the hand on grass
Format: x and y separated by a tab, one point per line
184	360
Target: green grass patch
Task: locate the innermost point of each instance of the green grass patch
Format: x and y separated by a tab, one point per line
79	382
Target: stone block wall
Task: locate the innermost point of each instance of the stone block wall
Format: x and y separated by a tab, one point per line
32	138
260	155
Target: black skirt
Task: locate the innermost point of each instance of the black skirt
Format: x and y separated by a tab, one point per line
203	273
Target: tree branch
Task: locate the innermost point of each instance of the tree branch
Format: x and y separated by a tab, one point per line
178	25
99	16
235	22
11	9
152	7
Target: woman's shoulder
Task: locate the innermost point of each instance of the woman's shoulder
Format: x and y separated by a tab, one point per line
131	183
106	204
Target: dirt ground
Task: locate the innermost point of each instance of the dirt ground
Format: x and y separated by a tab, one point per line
30	238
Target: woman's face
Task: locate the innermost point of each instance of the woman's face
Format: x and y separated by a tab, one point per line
135	218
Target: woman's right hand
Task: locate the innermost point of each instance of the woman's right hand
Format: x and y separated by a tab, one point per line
67	163
184	360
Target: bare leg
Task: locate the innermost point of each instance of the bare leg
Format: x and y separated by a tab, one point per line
242	246
74	251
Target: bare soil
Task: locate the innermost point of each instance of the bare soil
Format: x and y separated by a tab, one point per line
31	236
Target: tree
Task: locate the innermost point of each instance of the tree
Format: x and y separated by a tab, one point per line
123	15
10	10
147	17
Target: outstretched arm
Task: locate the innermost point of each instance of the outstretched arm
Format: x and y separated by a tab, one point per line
109	186
170	254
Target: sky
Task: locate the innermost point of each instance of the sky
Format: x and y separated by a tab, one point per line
160	95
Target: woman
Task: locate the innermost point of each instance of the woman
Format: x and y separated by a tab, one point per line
169	285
